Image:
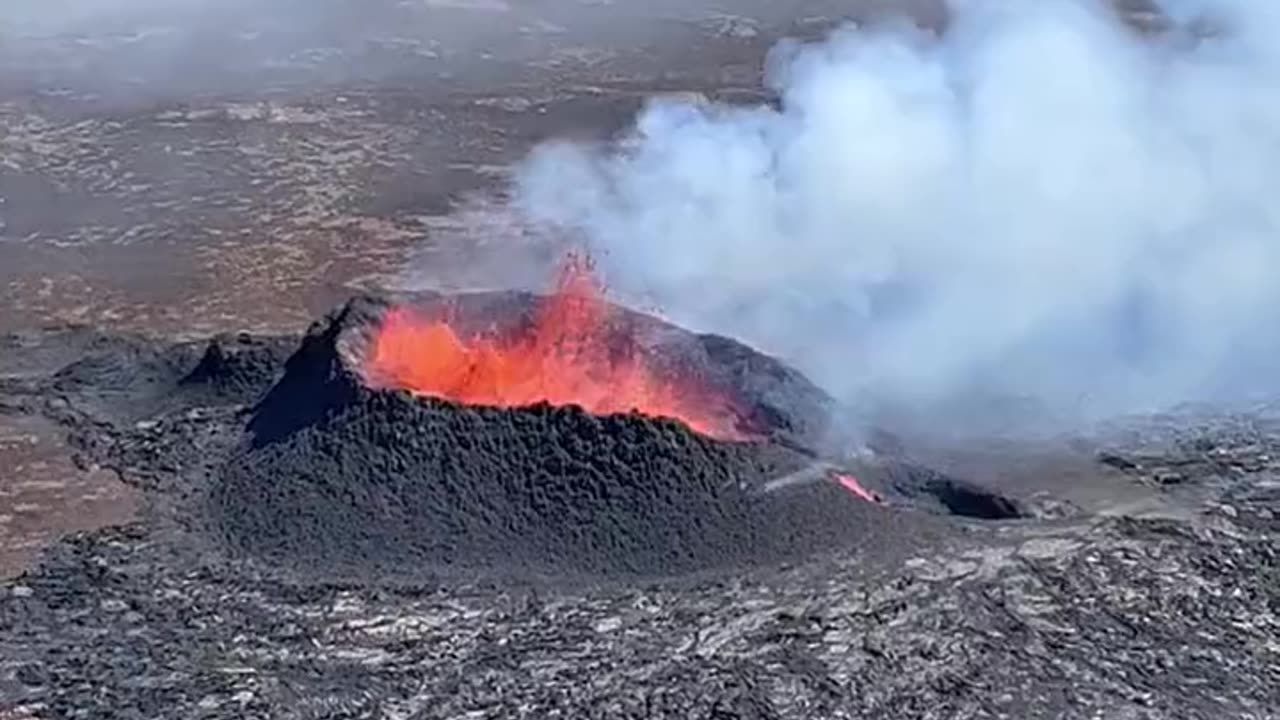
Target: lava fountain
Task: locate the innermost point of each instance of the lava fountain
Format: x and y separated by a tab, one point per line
572	353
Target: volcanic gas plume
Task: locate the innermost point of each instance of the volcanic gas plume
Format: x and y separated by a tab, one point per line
1037	203
572	353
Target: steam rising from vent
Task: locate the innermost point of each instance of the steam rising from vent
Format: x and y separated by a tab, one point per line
1040	202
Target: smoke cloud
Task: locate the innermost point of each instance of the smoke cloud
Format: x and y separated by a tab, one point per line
1039	202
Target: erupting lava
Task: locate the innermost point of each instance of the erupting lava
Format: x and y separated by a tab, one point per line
850	483
569	356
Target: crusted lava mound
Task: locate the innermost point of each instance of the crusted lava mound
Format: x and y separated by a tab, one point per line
342	474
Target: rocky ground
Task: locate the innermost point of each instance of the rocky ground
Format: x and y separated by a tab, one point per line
1159	609
250	173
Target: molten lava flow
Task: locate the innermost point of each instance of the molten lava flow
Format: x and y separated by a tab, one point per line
570	356
850	483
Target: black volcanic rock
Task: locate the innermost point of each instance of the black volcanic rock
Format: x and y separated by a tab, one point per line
129	378
928	488
395	480
317	379
238	368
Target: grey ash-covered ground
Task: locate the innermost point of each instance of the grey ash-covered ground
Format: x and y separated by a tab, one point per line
1165	608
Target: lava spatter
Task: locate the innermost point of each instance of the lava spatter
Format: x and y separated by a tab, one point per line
571	354
850	483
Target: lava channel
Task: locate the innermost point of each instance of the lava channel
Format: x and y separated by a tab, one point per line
569	355
850	483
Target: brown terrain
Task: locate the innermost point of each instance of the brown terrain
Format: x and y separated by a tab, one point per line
45	494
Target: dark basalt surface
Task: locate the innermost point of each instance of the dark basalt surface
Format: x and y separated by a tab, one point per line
128	378
949	494
397	480
1128	619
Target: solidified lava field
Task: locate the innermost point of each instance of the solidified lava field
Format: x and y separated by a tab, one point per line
313	545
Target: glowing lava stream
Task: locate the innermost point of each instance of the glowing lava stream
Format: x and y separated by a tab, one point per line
824	471
570	356
850	483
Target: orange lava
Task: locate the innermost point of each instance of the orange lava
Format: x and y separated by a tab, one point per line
850	483
569	356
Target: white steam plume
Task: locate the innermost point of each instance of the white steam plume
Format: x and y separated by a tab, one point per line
1039	202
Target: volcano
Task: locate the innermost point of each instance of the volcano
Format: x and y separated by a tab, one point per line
472	431
552	433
